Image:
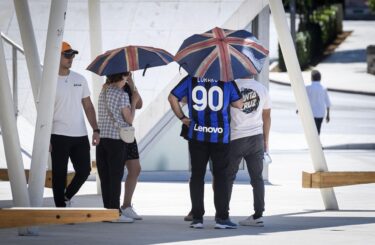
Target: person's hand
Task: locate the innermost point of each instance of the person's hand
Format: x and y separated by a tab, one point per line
186	121
95	139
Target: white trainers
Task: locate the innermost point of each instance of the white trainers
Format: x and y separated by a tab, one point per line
129	212
123	219
250	221
68	203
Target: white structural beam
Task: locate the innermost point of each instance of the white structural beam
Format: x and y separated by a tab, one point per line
298	86
46	103
96	49
29	45
245	13
11	142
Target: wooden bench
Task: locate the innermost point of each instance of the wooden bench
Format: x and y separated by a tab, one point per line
334	179
19	217
48	183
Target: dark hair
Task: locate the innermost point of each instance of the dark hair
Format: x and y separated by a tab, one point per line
114	78
315	75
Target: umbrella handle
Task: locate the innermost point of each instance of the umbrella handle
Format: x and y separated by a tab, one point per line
144	71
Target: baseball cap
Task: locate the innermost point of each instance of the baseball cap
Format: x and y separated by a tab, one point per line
66	48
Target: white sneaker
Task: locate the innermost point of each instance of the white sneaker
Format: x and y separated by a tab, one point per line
250	221
129	212
68	203
123	219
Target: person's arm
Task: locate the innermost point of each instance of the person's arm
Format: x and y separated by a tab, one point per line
176	108
266	116
237	104
327	116
129	112
88	107
134	90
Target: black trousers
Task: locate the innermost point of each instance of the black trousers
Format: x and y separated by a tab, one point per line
200	152
318	123
78	150
110	160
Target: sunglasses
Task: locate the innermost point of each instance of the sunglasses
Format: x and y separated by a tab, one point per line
69	55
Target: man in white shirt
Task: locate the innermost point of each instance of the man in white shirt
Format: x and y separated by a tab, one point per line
319	99
69	134
250	127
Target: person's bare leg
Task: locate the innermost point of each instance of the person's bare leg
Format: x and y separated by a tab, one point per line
134	169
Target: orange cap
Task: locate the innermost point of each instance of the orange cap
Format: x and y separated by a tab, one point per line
67	48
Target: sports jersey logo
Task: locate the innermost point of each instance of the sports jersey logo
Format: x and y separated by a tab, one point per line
77	85
250	100
208	129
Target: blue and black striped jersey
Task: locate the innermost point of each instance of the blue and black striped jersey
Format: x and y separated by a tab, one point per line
209	107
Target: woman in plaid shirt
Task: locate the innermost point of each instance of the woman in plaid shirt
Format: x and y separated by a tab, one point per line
114	108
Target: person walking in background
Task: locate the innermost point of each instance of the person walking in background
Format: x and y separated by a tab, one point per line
319	99
115	110
69	134
208	135
132	159
250	127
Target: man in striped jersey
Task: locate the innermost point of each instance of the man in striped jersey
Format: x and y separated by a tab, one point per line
209	104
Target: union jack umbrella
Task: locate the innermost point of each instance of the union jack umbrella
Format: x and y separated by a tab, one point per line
129	58
222	54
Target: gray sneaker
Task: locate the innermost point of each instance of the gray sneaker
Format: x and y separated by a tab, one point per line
123	219
250	221
130	212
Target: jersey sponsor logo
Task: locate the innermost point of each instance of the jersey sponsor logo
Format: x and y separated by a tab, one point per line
208	129
77	85
250	100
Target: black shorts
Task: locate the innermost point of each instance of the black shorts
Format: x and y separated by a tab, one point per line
132	151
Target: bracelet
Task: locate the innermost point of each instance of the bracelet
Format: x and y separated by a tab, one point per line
96	131
183	116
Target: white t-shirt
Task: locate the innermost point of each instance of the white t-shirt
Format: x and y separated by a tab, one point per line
318	98
248	121
68	118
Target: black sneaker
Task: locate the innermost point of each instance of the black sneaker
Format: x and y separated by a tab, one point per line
225	224
197	224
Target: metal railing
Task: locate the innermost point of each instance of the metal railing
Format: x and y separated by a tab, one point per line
15	48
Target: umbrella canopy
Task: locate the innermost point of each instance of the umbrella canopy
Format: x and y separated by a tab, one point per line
129	58
222	54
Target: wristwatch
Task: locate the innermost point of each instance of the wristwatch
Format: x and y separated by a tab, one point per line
96	131
183	116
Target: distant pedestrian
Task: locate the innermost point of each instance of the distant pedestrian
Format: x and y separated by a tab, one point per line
250	127
319	99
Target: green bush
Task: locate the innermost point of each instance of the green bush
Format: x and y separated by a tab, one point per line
319	30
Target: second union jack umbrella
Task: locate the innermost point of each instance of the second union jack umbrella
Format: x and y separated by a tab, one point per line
129	58
222	54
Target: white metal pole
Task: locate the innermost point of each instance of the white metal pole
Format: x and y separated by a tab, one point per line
29	45
263	35
296	79
47	93
96	49
12	146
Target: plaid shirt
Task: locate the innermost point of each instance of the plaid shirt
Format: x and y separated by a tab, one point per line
117	99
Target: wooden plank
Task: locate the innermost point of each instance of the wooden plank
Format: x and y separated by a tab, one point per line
335	179
19	217
306	180
48	183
